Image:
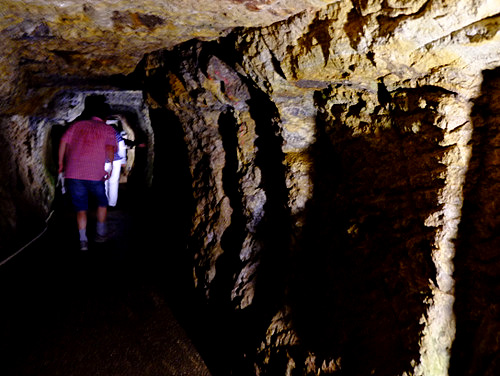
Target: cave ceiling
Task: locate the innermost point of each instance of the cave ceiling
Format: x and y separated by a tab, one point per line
49	44
46	40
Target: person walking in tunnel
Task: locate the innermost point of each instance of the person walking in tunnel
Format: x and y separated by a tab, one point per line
83	150
120	158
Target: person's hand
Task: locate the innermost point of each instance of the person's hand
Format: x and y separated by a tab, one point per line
107	175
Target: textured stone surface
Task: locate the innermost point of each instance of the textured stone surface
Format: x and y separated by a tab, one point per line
27	188
47	40
367	109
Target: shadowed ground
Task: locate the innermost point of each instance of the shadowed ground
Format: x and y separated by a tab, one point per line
101	312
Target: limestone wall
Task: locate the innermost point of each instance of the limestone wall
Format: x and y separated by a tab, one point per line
328	155
27	187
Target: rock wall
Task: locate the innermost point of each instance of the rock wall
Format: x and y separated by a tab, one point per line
26	187
328	156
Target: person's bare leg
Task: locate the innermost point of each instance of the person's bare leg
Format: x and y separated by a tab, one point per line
102	212
101	223
81	219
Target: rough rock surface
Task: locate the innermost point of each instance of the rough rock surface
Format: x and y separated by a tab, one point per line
331	152
51	40
365	111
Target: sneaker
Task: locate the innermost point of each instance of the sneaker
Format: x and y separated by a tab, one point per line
100	238
84	245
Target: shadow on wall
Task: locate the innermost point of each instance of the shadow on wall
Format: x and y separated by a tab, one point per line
240	330
361	268
476	350
233	237
171	189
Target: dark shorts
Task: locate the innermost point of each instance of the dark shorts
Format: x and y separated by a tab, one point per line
80	190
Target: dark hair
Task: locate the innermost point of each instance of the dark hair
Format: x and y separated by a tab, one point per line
95	105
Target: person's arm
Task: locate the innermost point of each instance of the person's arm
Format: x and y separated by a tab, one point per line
110	154
62	151
122	151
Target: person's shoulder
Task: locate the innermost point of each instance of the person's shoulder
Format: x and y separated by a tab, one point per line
80	123
108	128
74	125
96	122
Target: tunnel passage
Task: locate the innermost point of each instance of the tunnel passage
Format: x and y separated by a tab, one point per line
155	187
114	309
31	149
67	105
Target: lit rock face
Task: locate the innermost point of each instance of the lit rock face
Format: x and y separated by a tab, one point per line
44	40
335	147
328	153
26	189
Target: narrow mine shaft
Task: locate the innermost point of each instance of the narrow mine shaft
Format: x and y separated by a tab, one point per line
311	188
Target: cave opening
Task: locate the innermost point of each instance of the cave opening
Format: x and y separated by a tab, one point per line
144	261
128	106
153	188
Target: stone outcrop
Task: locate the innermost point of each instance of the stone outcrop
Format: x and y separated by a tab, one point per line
331	152
365	110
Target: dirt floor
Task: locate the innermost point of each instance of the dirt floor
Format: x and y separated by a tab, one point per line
101	312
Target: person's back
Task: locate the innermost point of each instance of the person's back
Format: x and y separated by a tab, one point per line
85	156
83	150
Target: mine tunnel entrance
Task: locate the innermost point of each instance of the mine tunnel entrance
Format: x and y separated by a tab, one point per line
122	307
130	115
155	182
